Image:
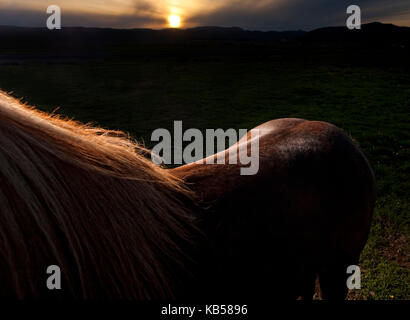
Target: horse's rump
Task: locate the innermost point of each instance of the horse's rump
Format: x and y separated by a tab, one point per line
306	213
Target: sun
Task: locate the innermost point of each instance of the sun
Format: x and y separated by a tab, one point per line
174	21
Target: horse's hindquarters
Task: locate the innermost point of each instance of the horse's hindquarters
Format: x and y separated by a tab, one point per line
306	212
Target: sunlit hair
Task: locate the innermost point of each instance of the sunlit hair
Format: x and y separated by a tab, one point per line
88	200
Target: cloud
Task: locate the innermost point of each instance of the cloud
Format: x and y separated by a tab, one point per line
297	14
249	14
34	18
87	13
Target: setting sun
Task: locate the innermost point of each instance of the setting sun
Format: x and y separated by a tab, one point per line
174	21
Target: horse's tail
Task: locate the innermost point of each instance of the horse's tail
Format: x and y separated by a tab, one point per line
350	209
346	210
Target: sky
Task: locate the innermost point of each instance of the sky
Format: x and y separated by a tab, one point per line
248	14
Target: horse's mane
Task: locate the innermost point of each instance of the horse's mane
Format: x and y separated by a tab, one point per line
88	200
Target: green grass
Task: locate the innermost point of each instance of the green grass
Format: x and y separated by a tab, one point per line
372	104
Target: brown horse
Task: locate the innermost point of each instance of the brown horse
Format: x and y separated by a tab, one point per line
305	214
89	201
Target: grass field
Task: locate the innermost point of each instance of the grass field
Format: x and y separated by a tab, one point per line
371	103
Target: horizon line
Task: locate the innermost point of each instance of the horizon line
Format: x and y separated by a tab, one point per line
204	26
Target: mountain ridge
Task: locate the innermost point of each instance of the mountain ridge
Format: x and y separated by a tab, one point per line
373	31
70	42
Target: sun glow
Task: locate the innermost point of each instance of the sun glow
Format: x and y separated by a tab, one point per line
174	21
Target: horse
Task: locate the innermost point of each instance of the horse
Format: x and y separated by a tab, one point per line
90	201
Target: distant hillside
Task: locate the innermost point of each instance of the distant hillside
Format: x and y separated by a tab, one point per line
77	42
93	35
373	33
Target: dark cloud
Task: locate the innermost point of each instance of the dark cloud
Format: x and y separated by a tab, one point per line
249	14
297	14
31	18
145	7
